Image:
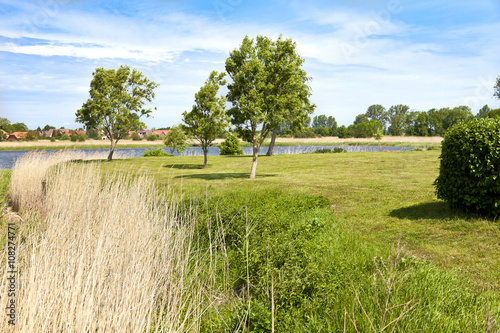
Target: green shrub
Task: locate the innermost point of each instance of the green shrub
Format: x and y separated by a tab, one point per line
73	138
322	151
152	137
155	152
52	139
135	137
307	133
231	146
469	173
328	151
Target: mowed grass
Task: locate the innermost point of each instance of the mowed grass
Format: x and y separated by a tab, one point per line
378	196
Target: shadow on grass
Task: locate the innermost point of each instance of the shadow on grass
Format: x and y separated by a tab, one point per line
430	210
186	166
219	176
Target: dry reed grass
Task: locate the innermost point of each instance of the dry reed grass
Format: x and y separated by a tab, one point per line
101	254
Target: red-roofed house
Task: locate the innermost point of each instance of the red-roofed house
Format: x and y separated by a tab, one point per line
161	132
17	136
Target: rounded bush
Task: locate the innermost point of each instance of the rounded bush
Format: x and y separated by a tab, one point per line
469	173
231	146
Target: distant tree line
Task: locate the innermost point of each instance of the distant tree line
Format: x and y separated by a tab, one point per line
397	120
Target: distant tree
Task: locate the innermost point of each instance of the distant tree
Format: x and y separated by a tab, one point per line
319	121
345	132
31	135
92	133
417	123
378	136
497	88
231	146
6	125
19	127
3	136
117	101
367	129
324	125
176	140
135	136
208	117
378	112
397	118
483	111
436	118
47	128
268	86
495	113
331	124
360	118
456	115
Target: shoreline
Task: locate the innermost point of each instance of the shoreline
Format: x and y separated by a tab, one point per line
412	141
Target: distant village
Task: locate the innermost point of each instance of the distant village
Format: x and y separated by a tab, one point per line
68	133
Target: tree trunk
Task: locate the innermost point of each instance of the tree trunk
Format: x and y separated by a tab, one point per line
112	149
205	153
271	144
254	162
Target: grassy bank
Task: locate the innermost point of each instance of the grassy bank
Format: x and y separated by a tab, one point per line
378	196
293	249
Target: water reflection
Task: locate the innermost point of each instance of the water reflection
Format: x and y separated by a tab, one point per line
8	158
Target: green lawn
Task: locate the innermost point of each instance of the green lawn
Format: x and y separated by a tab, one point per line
378	196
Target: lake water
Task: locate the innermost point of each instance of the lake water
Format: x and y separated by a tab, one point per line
8	158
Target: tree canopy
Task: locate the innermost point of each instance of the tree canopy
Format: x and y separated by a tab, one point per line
208	118
117	101
268	87
175	140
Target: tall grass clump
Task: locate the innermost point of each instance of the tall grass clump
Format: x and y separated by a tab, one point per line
102	253
295	267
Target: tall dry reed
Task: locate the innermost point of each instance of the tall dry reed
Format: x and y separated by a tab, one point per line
100	253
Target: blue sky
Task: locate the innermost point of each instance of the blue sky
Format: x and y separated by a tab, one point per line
426	54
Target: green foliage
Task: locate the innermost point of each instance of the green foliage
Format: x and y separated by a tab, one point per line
52	139
294	241
207	118
117	101
152	137
483	111
328	151
307	133
344	132
231	146
367	129
469	172
497	88
268	87
155	152
78	137
378	112
397	118
324	125
495	113
47	127
31	136
417	123
176	140
135	136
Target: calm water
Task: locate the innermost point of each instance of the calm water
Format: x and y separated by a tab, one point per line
8	158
